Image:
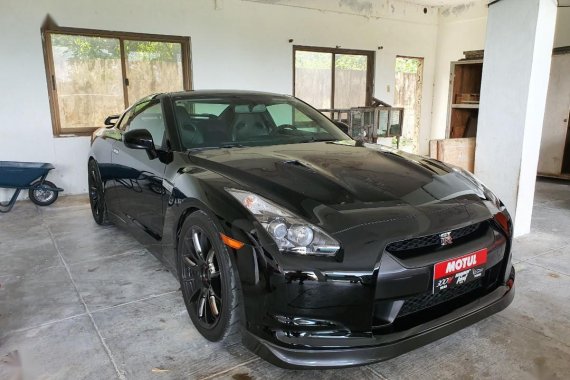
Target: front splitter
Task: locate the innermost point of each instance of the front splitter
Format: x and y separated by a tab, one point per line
382	347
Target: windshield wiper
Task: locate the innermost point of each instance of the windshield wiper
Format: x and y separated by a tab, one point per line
223	146
232	145
312	139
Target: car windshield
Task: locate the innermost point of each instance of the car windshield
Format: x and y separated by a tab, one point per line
250	120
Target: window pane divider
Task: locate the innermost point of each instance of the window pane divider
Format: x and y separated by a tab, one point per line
333	78
124	72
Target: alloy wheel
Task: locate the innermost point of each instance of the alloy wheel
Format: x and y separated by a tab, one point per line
201	277
95	193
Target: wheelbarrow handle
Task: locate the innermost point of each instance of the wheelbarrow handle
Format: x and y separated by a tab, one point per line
7	206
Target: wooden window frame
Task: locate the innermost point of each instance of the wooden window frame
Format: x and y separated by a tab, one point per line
370	67
46	33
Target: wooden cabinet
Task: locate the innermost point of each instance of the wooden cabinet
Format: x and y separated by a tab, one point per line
463	113
464	93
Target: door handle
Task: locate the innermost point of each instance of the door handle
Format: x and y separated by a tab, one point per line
115	150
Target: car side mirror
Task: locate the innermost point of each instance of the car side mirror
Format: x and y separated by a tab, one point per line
140	139
342	126
110	121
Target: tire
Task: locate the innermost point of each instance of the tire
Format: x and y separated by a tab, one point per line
97	194
41	196
202	273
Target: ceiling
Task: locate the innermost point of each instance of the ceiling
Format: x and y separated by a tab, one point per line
439	3
444	3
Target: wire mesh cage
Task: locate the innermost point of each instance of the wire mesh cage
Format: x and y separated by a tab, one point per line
370	123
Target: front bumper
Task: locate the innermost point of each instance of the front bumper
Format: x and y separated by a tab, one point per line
361	350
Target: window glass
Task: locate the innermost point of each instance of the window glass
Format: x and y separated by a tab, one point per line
93	76
287	114
300	117
124	120
329	78
313	78
252	120
139	107
350	80
88	80
148	115
153	67
208	109
281	113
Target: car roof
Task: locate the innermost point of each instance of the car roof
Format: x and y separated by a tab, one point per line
221	93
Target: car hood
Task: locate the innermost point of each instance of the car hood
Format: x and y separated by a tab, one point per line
343	185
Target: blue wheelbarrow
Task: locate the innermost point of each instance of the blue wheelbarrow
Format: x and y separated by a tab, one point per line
29	176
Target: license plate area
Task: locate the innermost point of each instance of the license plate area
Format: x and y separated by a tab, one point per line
459	270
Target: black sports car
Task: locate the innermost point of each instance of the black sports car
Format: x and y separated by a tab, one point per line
319	250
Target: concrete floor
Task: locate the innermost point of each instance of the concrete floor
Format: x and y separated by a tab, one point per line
79	301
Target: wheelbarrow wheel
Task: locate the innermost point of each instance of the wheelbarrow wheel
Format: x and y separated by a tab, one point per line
97	194
41	194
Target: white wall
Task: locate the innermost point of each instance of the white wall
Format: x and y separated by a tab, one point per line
562	34
518	53
463	28
555	126
235	44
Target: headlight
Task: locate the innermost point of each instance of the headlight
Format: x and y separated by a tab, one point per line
290	233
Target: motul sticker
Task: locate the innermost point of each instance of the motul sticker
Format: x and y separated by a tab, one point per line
460	264
459	271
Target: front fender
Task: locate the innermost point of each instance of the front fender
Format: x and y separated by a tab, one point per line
202	191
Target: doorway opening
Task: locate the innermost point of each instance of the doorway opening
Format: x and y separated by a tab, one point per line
566	157
408	94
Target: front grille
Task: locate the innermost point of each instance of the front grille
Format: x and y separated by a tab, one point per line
427	300
426	306
431	240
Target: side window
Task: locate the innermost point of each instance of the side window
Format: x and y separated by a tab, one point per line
124	120
148	115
